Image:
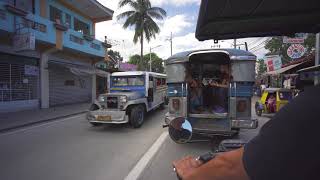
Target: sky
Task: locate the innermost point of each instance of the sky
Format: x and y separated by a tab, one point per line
181	21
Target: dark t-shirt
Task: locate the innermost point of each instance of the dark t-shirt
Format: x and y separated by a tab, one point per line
288	146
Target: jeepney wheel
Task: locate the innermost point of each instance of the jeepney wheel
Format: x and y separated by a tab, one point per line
137	116
258	112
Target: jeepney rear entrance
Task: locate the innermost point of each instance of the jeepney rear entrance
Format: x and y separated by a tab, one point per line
215	91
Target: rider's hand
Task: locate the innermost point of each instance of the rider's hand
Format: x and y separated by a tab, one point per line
185	166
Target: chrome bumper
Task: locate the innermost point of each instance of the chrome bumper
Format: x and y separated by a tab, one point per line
239	123
244	123
117	117
168	118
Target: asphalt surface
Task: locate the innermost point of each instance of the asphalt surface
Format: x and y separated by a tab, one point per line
71	149
161	165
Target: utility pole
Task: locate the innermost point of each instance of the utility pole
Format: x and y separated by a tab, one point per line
170	39
171	43
317	58
246	45
235	43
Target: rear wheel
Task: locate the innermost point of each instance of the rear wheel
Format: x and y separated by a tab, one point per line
137	116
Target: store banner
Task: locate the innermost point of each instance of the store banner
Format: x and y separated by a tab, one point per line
273	62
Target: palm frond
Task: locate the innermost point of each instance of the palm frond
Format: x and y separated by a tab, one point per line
125	14
132	20
131	3
157	10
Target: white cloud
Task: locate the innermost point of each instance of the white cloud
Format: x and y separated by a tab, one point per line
179	25
174	2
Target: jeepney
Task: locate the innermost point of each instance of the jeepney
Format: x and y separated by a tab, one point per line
131	95
204	67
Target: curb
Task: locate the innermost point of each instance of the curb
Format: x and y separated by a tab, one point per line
39	122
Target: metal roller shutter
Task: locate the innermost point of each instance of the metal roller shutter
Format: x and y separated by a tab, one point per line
68	88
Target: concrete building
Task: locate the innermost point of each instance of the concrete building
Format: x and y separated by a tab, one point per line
47	52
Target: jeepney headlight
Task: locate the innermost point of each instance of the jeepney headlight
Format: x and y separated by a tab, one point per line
123	99
101	98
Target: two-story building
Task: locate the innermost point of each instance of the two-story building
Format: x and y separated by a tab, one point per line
47	52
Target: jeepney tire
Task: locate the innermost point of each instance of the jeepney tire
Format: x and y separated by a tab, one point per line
95	124
137	116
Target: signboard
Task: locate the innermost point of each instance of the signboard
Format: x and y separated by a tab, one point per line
24	42
296	51
297	40
31	70
273	62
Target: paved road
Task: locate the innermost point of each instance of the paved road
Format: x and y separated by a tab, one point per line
72	149
161	165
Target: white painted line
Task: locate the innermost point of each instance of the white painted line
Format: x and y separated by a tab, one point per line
40	125
137	170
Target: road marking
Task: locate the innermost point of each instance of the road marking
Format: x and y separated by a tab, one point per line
137	170
19	130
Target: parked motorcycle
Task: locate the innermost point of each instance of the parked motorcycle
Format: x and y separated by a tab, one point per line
180	130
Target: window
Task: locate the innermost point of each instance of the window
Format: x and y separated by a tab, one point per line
81	26
68	21
164	81
55	15
26	5
76	39
127	81
158	82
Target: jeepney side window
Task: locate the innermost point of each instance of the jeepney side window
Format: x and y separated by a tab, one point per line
150	82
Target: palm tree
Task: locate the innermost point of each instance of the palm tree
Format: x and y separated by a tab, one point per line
141	17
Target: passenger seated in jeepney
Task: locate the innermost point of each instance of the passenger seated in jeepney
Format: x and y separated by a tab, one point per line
196	98
220	90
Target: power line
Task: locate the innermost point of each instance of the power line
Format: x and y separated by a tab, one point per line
259	46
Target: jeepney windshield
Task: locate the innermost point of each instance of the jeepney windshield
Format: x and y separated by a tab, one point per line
128	81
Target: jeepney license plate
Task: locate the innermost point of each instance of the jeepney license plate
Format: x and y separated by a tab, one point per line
104	118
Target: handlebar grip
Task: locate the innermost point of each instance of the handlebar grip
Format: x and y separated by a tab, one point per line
206	157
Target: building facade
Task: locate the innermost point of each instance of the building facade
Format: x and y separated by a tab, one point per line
48	51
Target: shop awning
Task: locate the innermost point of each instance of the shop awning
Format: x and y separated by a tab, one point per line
228	19
283	70
79	70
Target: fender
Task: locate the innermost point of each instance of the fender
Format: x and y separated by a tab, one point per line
137	101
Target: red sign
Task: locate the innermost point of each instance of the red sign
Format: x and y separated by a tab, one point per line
296	51
287	40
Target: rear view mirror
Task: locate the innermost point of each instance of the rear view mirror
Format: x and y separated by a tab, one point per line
180	130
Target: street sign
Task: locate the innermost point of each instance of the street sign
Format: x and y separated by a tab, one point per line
296	51
297	40
24	42
273	62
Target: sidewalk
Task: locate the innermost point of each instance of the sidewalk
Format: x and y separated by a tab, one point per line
13	120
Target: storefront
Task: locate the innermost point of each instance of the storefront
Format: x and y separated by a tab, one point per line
69	83
19	83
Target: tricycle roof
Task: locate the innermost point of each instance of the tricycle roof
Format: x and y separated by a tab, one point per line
234	54
137	73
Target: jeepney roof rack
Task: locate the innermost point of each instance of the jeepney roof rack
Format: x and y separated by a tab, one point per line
234	54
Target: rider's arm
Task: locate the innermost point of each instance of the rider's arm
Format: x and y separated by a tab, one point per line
226	166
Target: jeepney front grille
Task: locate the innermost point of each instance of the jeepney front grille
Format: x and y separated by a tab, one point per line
112	102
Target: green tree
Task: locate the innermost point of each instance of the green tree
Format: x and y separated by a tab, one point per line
115	55
144	65
262	67
141	17
276	47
